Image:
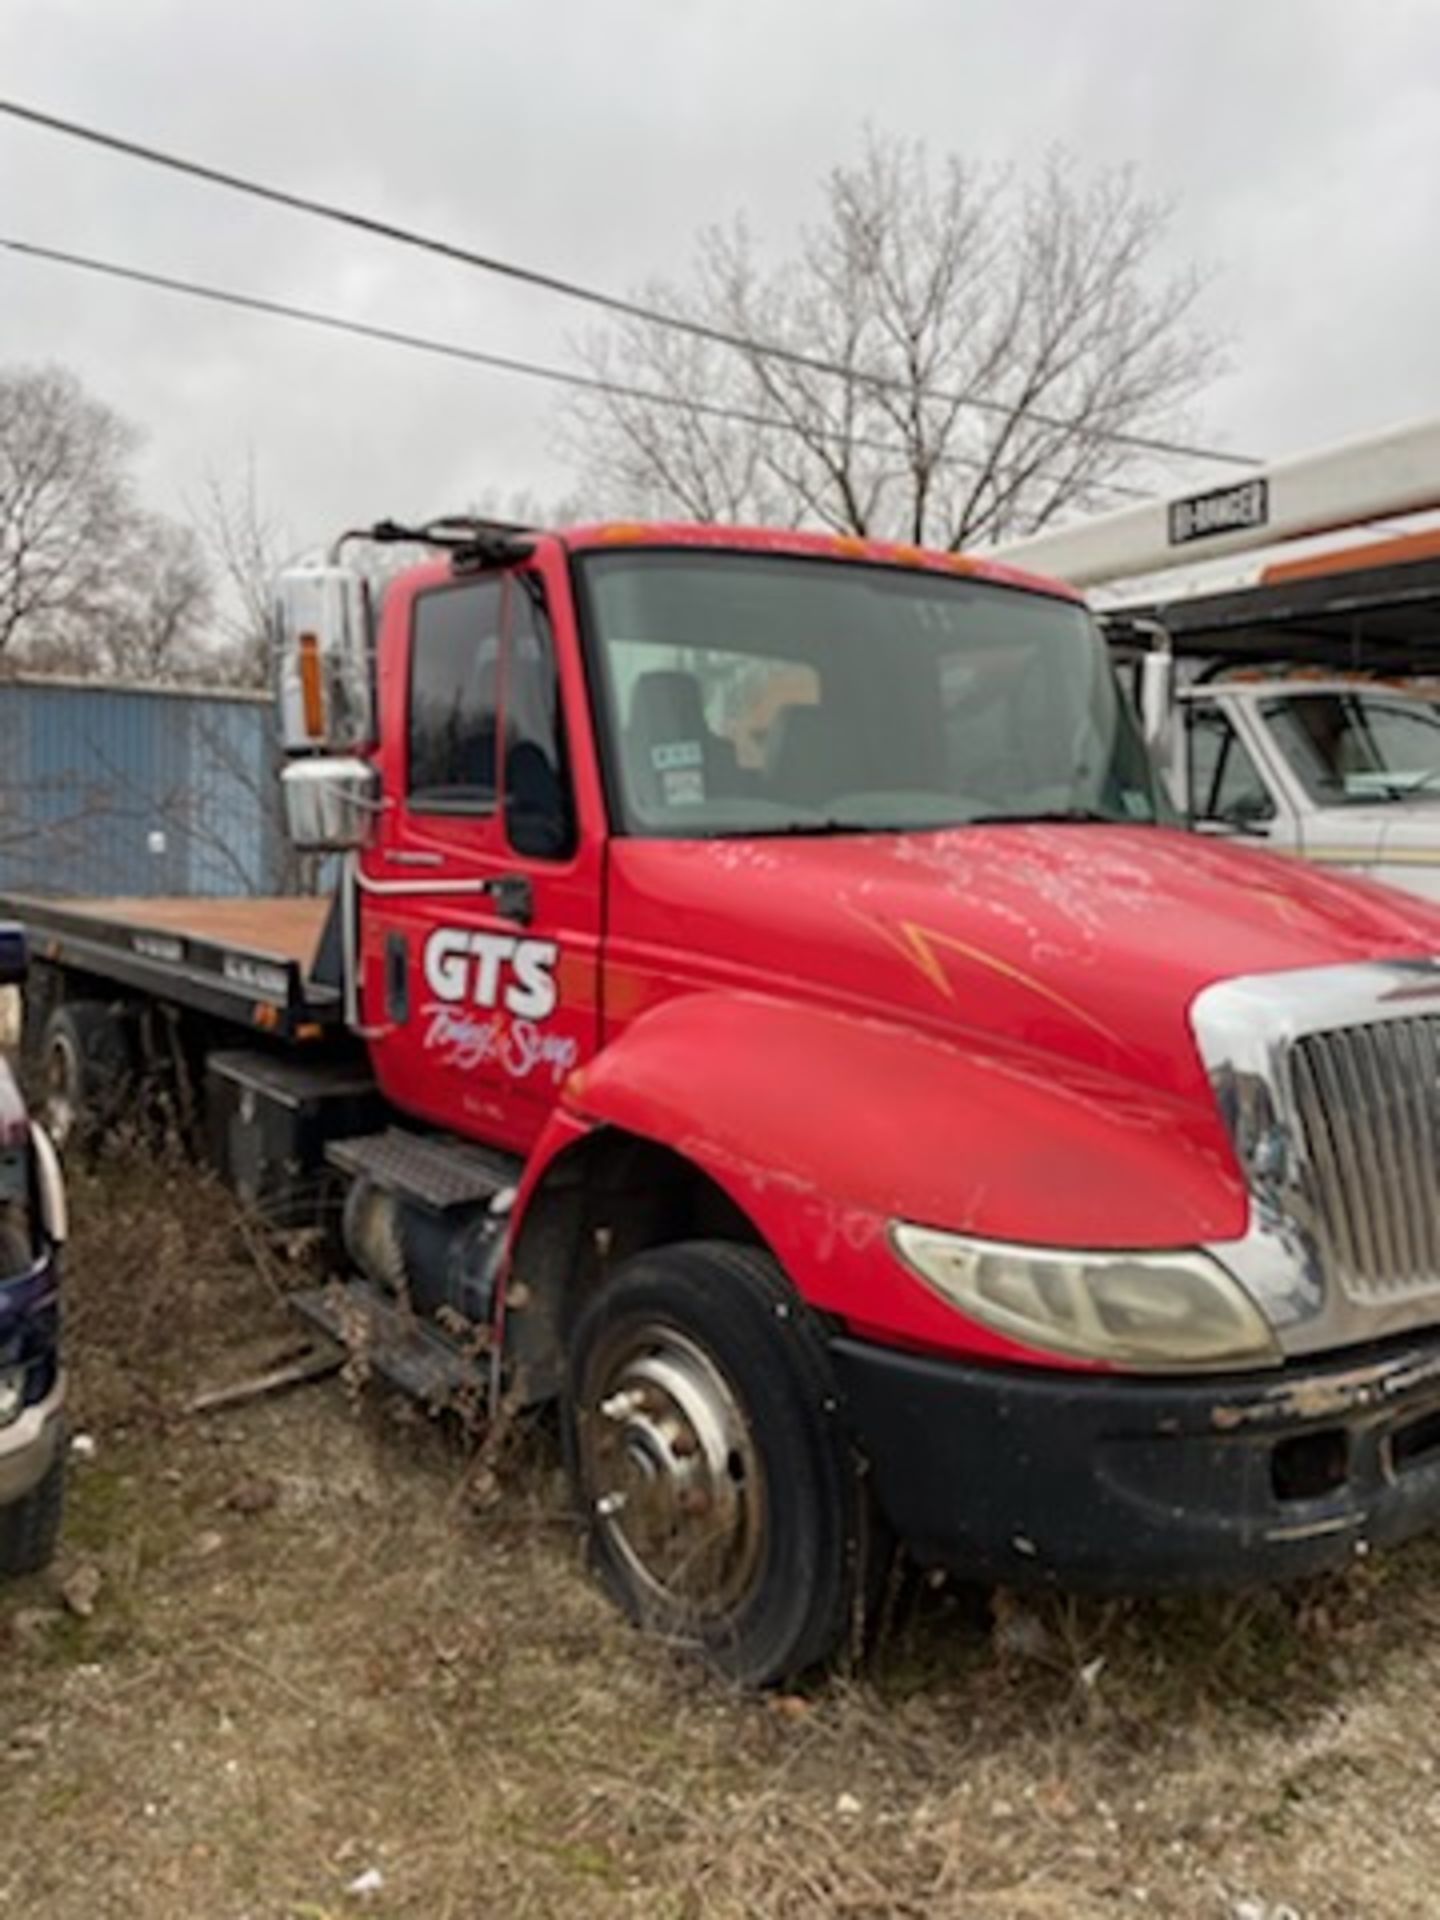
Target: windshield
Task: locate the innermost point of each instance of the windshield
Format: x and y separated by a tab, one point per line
754	694
1358	746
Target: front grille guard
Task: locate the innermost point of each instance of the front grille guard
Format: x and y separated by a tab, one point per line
1319	1075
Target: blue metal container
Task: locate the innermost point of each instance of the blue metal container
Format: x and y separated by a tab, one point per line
108	789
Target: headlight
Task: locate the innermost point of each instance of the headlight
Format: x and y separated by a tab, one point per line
1162	1312
12	1394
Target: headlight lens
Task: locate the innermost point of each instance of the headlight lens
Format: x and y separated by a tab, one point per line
12	1394
1157	1312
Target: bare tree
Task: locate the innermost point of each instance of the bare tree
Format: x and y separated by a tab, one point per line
160	600
987	333
64	501
248	546
89	580
524	507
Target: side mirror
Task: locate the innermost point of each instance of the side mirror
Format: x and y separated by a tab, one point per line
329	803
1157	697
14	955
1248	813
324	663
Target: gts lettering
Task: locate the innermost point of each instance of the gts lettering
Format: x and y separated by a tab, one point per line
492	970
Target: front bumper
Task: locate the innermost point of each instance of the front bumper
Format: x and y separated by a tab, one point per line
1030	1476
30	1445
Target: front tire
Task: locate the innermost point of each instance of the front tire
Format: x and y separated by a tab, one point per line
30	1528
710	1462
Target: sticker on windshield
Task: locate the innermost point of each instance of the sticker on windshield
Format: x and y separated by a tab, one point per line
682	787
671	754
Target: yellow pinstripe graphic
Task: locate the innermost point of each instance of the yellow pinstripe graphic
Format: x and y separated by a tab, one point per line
917	944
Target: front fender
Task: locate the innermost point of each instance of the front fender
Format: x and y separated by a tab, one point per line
822	1127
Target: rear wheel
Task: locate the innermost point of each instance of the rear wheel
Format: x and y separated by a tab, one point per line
30	1528
710	1462
87	1071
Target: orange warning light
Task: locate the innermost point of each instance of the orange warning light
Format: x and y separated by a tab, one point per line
311	694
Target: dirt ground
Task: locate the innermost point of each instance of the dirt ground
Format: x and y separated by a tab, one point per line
303	1673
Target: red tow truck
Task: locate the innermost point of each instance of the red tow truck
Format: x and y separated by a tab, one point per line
767	1008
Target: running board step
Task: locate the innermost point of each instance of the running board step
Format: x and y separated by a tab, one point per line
439	1173
412	1356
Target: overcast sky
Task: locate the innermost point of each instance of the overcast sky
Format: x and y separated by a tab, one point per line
1299	139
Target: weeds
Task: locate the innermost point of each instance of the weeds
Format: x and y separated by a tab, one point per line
394	1667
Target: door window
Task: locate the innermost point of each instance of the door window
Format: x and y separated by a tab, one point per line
482	671
1225	784
455	698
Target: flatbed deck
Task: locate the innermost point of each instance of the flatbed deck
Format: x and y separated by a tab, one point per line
256	963
286	927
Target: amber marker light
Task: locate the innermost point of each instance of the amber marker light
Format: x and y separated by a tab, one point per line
311	697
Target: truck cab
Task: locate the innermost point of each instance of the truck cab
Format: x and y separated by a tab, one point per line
818	1059
580	754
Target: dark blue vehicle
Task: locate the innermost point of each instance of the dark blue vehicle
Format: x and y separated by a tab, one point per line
32	1380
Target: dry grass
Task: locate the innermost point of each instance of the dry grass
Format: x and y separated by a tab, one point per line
368	1674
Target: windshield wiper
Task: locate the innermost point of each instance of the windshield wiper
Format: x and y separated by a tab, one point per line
1050	816
801	829
1383	789
824	829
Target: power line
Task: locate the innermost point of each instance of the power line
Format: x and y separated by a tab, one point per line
576	290
453	350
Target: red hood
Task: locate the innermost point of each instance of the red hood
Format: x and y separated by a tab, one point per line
1084	941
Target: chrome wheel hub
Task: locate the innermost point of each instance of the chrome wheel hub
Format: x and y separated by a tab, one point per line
670	1469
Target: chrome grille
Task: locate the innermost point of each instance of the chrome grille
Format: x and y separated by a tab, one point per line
1367	1100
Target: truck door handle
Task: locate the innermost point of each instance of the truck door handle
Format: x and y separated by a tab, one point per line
397	984
513	895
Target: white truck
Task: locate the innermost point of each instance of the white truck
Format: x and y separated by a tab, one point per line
1343	773
1297	706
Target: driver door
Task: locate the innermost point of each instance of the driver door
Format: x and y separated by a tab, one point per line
482	894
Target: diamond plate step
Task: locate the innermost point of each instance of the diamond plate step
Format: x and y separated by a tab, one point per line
440	1174
416	1358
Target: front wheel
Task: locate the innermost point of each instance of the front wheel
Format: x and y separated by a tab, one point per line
710	1462
30	1528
